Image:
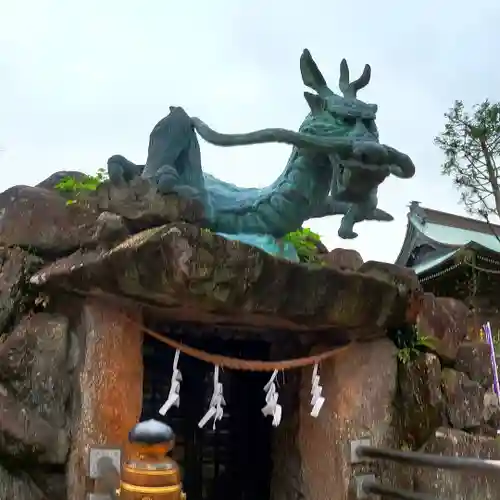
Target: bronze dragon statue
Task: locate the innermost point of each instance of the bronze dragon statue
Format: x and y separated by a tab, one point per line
336	165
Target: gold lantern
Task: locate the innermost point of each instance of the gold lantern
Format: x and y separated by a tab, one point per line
149	474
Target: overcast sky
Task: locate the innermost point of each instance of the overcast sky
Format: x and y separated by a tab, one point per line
81	81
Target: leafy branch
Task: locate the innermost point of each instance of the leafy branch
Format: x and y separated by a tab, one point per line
471	145
423	343
306	243
88	183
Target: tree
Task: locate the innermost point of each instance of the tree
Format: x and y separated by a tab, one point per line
471	144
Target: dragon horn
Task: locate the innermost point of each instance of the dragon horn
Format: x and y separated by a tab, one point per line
350	89
311	75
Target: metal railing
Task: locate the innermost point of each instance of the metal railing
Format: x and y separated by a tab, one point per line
372	487
361	451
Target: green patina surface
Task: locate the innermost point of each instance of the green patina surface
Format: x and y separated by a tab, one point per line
335	167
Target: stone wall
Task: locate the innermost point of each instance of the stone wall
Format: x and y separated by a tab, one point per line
70	378
70	368
35	386
450	408
72	276
439	401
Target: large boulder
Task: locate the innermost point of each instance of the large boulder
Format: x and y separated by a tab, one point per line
143	207
421	401
42	221
464	400
35	386
25	437
20	486
110	230
343	259
195	273
16	267
459	485
444	320
491	411
474	359
53	222
407	286
34	365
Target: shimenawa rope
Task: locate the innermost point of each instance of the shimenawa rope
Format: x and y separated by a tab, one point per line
229	362
242	364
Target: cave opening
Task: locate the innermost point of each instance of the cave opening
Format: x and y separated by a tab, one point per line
234	460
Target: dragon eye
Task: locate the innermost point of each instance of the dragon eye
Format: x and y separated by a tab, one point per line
349	120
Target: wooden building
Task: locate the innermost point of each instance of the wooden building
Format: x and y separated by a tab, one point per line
455	256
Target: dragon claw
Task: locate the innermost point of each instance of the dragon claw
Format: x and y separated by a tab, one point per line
347	234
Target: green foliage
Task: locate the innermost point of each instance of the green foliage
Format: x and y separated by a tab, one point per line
496	346
496	339
305	242
471	145
406	354
422	344
88	183
426	342
496	343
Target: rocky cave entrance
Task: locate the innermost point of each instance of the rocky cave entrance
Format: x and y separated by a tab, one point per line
234	460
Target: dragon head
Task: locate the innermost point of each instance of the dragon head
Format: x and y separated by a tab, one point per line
364	162
341	127
343	116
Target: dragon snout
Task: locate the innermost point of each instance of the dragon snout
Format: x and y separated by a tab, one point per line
370	152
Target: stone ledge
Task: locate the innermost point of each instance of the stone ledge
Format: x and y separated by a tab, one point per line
195	273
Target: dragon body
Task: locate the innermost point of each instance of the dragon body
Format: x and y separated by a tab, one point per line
335	167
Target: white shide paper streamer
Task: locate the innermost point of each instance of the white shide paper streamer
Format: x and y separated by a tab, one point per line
317	400
217	403
173	398
272	408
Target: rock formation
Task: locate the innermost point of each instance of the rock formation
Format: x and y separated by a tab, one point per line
63	263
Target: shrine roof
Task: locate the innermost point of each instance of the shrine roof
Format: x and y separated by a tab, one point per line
443	235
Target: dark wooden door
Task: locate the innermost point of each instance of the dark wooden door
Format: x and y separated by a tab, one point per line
233	461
